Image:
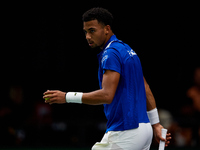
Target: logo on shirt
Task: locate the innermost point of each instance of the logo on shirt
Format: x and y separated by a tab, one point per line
104	58
131	53
104	52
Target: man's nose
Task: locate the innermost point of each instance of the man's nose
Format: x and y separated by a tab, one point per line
88	37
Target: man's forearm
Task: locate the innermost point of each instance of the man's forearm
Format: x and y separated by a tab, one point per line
97	97
152	111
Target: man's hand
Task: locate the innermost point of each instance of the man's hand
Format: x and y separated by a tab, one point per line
158	134
54	97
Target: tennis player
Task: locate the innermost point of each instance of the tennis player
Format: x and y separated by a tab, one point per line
129	105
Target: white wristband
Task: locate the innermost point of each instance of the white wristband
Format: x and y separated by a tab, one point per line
153	116
74	97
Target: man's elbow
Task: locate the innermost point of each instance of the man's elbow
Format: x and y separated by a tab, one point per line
108	98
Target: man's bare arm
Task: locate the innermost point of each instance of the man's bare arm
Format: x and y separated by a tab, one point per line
107	93
151	103
102	96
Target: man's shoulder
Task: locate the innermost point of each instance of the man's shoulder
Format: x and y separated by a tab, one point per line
120	47
115	46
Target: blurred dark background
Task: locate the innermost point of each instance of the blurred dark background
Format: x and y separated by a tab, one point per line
43	47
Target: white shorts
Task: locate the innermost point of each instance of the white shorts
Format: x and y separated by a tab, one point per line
134	139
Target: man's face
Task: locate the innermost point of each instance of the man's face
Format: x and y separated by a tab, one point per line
95	33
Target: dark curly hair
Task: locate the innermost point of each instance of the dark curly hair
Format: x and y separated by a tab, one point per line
100	14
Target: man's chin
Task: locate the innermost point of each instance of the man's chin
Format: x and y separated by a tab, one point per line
93	45
96	49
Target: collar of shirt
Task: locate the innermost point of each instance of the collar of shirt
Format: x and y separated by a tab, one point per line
112	38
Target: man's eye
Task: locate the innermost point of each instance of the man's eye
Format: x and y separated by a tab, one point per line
92	31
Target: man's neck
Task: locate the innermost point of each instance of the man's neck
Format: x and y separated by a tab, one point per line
107	39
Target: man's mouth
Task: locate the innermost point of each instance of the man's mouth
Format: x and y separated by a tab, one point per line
90	43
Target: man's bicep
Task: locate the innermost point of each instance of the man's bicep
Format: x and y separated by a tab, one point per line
110	82
151	103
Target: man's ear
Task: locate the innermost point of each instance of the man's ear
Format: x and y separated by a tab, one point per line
107	29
